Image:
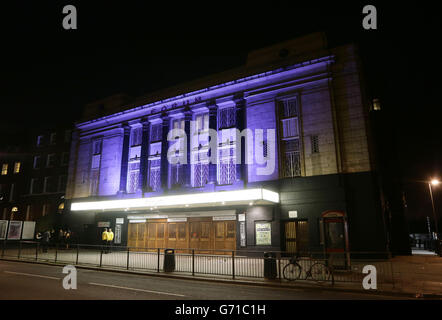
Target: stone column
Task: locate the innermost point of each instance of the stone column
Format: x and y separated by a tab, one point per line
143	181
188	167
124	158
213	124
164	171
240	125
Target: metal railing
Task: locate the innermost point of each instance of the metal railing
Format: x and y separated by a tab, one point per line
219	263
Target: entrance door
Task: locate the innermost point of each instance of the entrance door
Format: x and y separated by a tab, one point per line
225	235
296	236
156	235
136	235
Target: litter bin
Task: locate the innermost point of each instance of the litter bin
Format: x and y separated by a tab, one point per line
169	260
270	265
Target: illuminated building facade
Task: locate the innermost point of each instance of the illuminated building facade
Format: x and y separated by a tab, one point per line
288	168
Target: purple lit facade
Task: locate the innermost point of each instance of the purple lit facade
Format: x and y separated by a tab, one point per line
312	99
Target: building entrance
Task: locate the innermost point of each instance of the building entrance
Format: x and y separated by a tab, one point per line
202	234
296	236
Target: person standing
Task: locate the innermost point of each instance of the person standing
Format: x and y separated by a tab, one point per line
110	239
45	240
104	240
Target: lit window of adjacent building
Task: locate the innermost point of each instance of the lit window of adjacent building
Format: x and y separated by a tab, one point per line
39	141
4	169
67	135
290	137
64	158
53	138
51	160
36	162
17	167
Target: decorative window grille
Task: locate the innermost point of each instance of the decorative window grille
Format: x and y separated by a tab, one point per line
155	175
292	159
155	132
133	177
227	166
227	117
200	171
264	148
176	174
95	167
202	122
136	136
315	144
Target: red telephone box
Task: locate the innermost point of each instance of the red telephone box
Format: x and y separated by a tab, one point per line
335	238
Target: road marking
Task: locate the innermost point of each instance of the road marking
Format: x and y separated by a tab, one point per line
134	289
31	275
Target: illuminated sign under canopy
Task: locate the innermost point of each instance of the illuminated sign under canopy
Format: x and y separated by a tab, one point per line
237	197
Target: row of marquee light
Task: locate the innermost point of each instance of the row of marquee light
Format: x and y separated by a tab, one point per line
207	198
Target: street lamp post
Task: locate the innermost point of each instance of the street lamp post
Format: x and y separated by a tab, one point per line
434	182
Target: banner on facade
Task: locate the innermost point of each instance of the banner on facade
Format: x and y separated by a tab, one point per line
103	224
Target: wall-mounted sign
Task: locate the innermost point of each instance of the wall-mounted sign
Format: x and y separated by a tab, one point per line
103	224
176	219
117	239
242	233
242	217
263	233
119	221
293	214
137	221
222	218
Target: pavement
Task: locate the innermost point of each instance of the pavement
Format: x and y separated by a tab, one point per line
30	281
418	276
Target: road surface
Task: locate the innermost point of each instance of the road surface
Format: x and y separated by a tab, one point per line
26	281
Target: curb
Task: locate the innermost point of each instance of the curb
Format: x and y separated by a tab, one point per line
239	281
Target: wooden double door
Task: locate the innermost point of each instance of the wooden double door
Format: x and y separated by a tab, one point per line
196	233
296	236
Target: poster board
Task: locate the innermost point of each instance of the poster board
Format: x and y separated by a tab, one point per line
14	230
3	229
28	230
263	233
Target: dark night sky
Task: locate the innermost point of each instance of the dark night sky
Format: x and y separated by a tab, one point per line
48	73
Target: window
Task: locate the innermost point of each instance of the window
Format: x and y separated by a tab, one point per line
290	136
315	144
4	169
11	194
32	188
39	141
45	210
136	136
53	138
200	170
133	177
227	117
155	132
96	147
67	136
51	160
45	184
202	122
264	149
155	175
17	167
227	166
62	183
36	162
64	158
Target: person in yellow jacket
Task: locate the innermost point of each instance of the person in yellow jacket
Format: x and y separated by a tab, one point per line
110	239
104	239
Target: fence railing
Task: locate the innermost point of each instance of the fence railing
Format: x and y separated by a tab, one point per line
193	262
